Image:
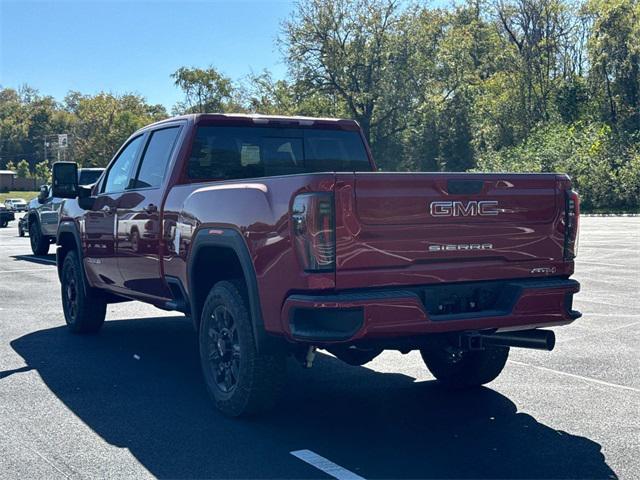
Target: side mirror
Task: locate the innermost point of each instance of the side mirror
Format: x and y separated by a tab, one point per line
44	194
65	180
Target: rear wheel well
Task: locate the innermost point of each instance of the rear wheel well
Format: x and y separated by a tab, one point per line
211	265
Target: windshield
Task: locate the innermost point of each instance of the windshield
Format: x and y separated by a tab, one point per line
88	177
248	152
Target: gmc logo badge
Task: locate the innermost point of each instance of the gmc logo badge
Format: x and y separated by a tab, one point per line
464	209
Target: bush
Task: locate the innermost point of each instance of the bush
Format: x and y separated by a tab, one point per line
604	167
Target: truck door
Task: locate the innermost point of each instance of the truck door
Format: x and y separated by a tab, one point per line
101	222
139	219
48	217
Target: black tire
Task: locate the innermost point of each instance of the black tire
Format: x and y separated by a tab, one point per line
241	381
4	223
355	356
20	230
463	368
84	308
39	242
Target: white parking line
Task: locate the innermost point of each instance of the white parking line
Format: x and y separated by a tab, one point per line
586	379
327	466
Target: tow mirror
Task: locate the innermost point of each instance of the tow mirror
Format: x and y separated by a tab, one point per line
44	193
65	180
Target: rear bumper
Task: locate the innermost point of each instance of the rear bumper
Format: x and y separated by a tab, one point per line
388	313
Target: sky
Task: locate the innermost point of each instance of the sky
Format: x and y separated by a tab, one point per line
133	46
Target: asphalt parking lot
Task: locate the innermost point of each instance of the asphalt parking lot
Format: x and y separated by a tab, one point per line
129	402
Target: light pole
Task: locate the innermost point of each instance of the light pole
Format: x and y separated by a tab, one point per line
62	143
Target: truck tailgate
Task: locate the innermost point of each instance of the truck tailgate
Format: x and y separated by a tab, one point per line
419	228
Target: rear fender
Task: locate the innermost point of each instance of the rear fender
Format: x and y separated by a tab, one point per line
232	240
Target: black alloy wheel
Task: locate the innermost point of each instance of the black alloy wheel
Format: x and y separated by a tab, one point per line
223	349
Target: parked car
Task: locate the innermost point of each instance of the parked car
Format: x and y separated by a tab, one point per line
279	237
16	204
6	216
42	219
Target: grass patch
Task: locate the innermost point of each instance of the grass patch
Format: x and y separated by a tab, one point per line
25	195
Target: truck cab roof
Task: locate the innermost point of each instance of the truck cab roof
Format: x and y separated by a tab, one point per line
259	119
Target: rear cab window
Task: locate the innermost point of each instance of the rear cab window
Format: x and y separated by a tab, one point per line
226	152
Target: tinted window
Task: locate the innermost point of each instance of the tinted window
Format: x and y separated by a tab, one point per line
156	157
88	177
120	170
245	152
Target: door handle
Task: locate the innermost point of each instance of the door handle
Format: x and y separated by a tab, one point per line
151	208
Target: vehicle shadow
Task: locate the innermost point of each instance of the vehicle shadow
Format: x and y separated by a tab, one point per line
49	259
379	425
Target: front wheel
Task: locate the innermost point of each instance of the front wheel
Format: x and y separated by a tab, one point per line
4	223
458	368
20	230
39	242
240	380
84	308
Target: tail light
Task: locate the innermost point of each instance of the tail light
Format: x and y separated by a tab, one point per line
313	220
571	224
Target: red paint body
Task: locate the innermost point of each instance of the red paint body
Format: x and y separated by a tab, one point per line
384	233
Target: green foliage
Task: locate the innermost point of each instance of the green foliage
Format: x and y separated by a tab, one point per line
99	124
205	90
605	168
614	50
263	94
10	166
349	50
42	171
22	169
96	124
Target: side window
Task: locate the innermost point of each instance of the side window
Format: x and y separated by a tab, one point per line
155	159
118	176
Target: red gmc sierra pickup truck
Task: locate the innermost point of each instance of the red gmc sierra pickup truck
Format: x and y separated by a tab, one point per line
277	236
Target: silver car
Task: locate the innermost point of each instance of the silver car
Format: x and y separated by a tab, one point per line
16	204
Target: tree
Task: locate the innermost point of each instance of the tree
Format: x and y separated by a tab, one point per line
532	33
205	90
263	94
347	48
614	51
22	169
101	123
43	171
11	166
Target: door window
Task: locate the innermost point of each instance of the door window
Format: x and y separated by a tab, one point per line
156	158
120	171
